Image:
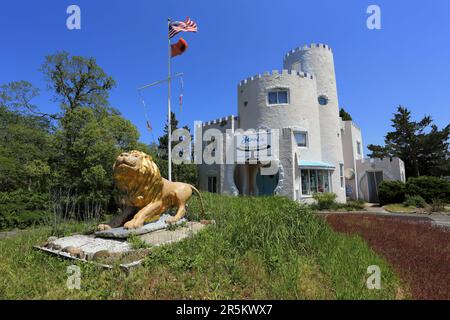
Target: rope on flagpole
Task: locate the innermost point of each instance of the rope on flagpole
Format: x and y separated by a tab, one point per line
181	93
147	120
144	104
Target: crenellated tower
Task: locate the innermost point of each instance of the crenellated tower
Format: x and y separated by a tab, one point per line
317	59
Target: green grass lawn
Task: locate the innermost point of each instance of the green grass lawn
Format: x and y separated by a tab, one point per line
399	208
260	248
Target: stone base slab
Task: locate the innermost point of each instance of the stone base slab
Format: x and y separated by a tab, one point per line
97	250
122	233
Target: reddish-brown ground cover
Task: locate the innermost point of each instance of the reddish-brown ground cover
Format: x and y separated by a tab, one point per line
418	251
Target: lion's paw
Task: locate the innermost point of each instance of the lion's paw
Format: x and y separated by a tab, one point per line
170	220
132	225
103	227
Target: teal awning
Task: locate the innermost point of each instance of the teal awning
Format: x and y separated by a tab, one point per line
315	164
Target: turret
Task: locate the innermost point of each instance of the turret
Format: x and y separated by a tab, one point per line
317	59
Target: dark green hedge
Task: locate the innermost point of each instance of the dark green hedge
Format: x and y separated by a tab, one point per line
391	192
429	188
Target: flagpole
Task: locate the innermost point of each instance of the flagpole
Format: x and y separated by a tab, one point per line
168	105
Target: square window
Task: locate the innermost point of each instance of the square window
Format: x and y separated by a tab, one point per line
273	97
301	138
278	97
282	97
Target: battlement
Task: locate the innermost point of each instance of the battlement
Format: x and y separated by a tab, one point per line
378	160
353	123
283	72
308	47
223	120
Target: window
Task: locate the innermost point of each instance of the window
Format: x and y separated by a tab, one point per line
341	174
212	184
302	138
277	97
358	147
323	100
305	182
313	180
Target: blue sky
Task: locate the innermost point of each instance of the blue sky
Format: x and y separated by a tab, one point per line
406	62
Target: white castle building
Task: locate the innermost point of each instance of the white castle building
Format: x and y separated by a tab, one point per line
317	150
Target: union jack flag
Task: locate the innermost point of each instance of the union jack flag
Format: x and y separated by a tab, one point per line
178	26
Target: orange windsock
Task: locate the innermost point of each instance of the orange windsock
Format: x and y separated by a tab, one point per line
178	48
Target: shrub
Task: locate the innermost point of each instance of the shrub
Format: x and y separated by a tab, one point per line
429	188
391	192
21	209
437	205
415	201
354	205
325	200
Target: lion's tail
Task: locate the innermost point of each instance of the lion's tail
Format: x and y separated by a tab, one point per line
201	199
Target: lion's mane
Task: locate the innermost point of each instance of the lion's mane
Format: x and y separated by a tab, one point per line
142	187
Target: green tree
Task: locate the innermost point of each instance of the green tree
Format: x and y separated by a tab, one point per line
25	139
66	156
345	115
164	139
424	153
434	158
180	172
91	133
77	81
38	173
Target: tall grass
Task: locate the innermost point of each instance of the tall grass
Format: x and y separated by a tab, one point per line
264	247
282	233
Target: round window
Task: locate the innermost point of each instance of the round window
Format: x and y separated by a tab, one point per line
323	100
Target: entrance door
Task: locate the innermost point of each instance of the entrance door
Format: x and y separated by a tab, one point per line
266	184
374	178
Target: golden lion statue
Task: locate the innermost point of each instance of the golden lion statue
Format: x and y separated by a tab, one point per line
145	191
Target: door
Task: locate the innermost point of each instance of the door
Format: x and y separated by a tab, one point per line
212	184
374	178
266	183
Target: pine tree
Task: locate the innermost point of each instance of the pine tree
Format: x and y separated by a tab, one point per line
164	139
345	115
424	153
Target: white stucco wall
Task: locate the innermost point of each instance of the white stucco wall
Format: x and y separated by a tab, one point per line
351	135
301	113
392	168
317	59
217	170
